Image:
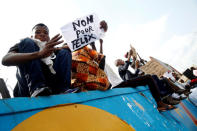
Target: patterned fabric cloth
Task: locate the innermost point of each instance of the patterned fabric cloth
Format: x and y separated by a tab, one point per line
86	73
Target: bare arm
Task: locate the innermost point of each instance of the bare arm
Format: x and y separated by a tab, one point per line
101	46
93	46
129	56
133	64
103	25
14	58
126	65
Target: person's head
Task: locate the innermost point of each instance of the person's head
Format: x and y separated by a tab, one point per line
40	31
103	25
119	62
175	75
182	81
192	68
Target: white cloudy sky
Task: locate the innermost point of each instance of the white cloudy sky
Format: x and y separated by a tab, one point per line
164	29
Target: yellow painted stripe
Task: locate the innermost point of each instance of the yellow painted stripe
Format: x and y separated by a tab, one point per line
140	106
178	112
73	117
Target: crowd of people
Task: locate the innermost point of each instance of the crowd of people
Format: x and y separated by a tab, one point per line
166	90
43	69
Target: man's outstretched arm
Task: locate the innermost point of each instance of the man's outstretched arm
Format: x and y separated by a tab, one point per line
14	58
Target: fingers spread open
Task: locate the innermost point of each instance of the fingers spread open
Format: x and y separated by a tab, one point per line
56	38
55	43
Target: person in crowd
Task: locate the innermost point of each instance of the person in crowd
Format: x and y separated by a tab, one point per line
134	80
193	81
104	27
88	67
163	84
194	71
166	90
42	69
177	91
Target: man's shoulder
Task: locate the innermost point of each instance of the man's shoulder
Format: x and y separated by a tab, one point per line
127	62
27	39
15	47
120	68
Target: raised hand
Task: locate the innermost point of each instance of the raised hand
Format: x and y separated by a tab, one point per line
50	46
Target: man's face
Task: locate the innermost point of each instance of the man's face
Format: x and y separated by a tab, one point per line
41	33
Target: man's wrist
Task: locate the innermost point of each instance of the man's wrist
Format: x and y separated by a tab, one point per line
37	55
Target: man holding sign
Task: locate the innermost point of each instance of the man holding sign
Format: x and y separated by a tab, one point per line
87	64
82	31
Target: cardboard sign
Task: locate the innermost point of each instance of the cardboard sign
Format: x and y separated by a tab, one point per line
81	32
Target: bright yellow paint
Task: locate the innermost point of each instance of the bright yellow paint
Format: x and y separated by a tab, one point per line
141	107
73	117
136	103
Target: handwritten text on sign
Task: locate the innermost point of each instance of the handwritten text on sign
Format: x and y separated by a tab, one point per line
81	32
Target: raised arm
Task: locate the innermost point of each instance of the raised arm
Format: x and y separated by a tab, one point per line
93	46
101	46
126	65
14	58
104	26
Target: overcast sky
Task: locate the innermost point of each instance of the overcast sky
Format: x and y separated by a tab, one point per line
164	29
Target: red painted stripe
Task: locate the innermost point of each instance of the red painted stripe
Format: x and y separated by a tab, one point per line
189	113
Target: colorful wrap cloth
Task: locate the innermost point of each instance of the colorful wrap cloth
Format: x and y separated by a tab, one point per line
86	71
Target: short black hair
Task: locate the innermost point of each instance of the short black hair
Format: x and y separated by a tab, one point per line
40	24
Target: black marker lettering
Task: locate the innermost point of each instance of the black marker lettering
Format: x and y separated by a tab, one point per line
82	31
78	32
90	29
82	42
90	37
83	22
86	30
85	38
90	19
76	44
78	24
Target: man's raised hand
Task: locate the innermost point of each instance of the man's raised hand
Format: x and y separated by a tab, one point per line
50	46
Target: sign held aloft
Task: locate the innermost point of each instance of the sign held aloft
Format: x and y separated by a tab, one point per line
81	32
